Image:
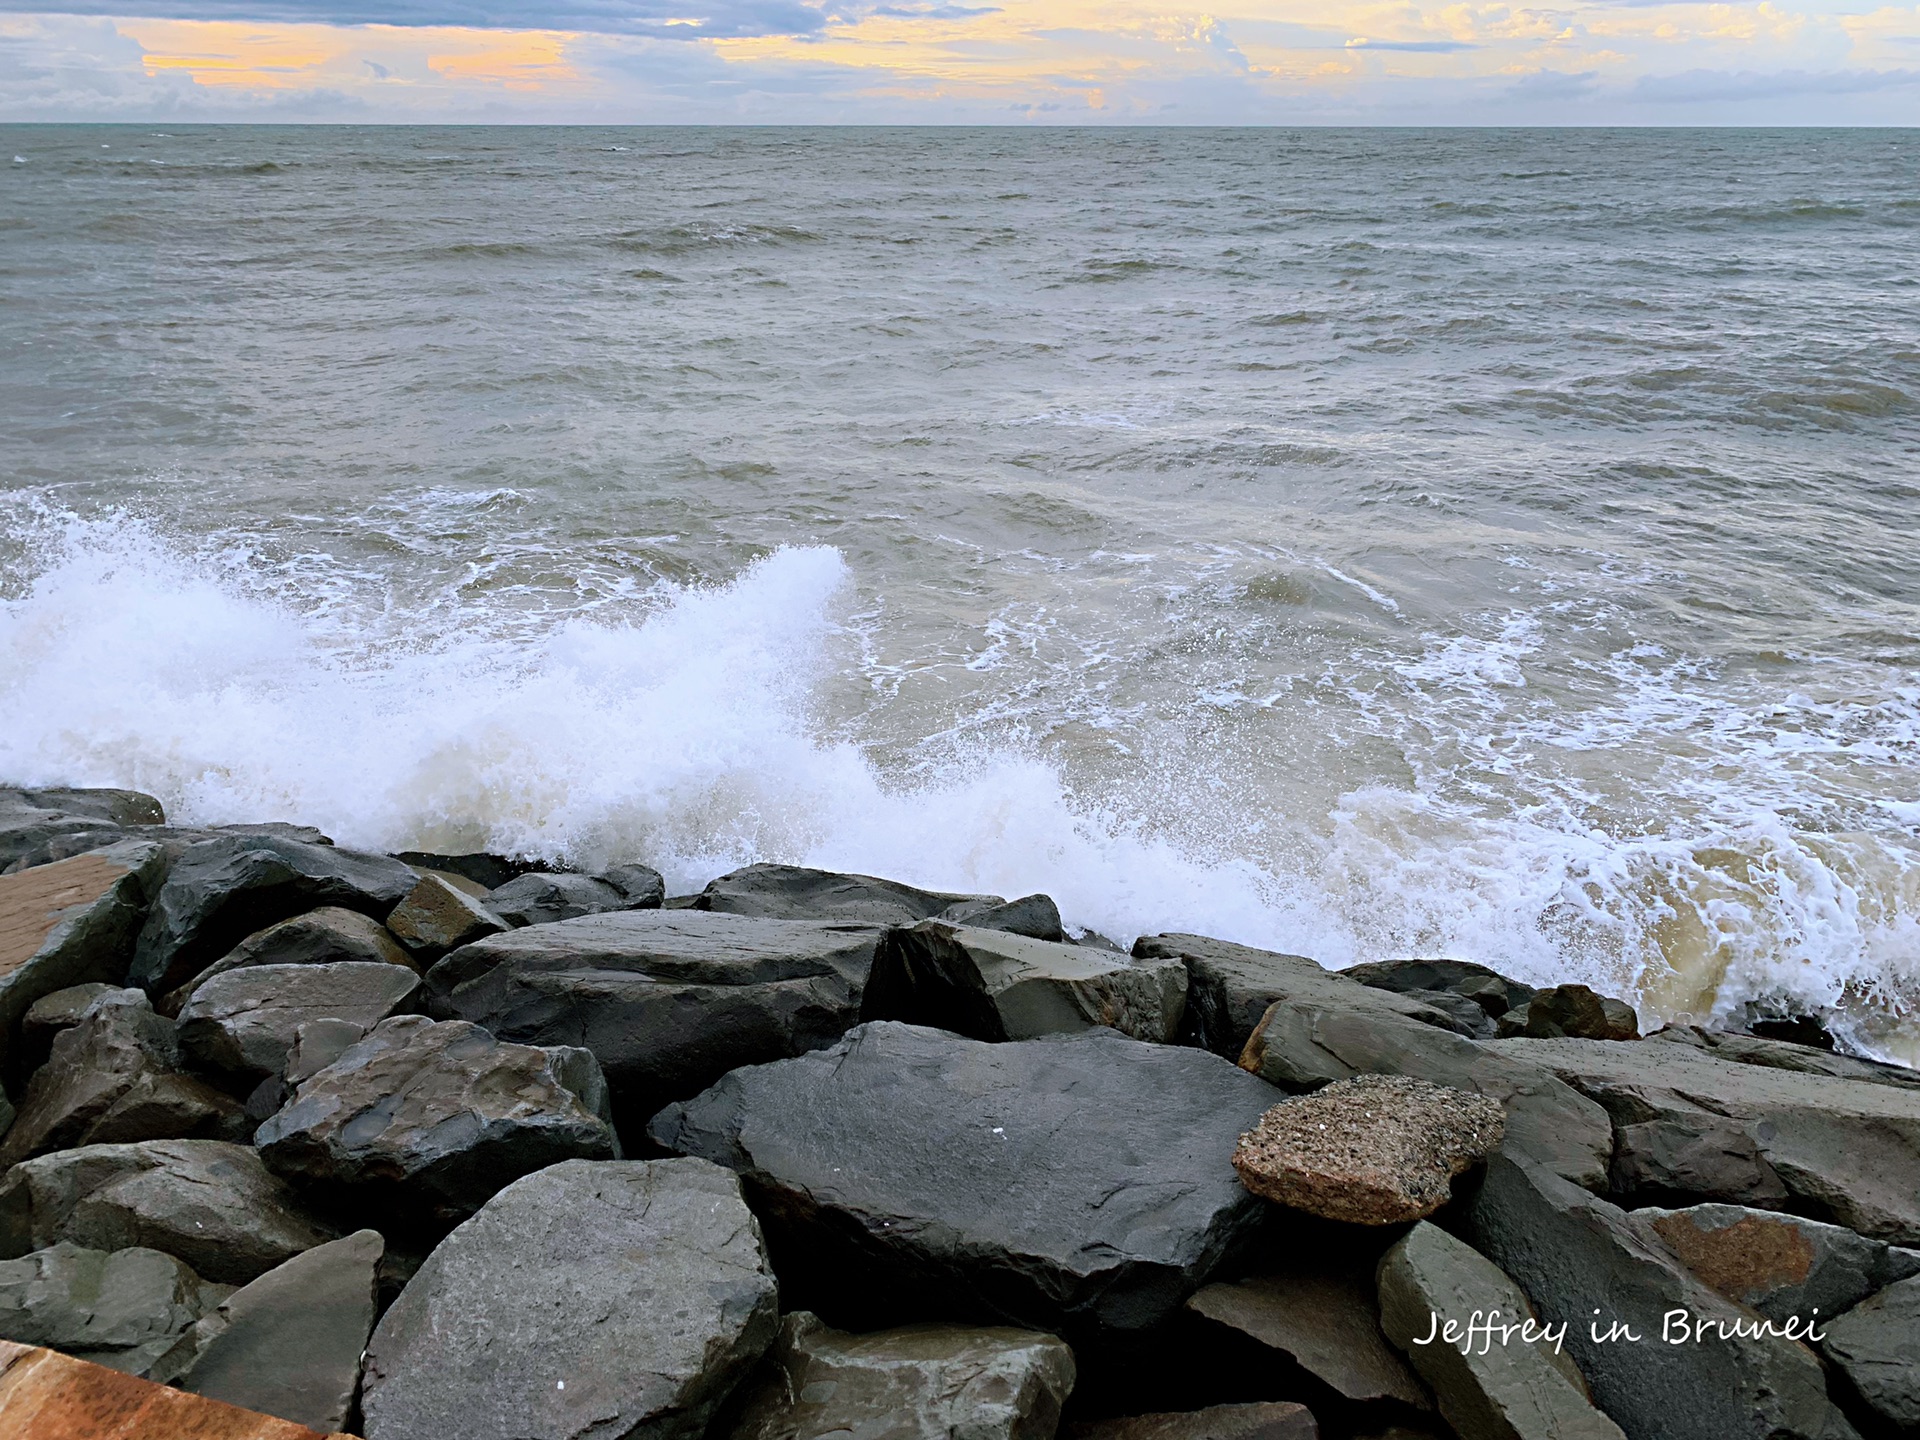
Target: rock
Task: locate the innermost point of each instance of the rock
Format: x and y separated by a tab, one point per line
1373	1150
1035	916
1320	1026
1269	1420
244	1022
114	807
114	1078
1229	987
1779	1055
792	892
316	1045
919	1382
1321	1313
1571	1252
1069	1183
325	936
489	872
1513	1387
174	839
1779	1265
1685	1156
45	1395
993	985
587	1300
1493	992
1573	1011
1876	1345
124	1308
435	918
206	1202
51	1014
1844	1149
438	1115
642	886
222	891
71	923
289	1344
669	1000
1469	1018
544	899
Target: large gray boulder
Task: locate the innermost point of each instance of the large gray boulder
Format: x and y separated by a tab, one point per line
325	936
793	892
438	1115
116	1077
437	917
1071	1183
30	819
1876	1345
208	1203
669	1000
1785	1055
1525	1387
589	1300
221	891
1780	1265
51	1014
1572	1251
1321	1313
993	985
289	1344
542	899
1318	1026
124	1309
71	923
1845	1148
244	1022
918	1382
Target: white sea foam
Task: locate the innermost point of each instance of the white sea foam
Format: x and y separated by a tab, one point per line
687	736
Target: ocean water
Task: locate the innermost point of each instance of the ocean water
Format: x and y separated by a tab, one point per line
1368	543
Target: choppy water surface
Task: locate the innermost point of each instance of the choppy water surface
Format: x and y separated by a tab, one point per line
1498	544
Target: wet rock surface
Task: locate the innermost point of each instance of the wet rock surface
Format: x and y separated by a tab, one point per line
437	917
1571	1012
123	1308
244	1023
793	892
666	1302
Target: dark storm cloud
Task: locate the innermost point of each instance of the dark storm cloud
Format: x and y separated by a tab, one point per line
664	19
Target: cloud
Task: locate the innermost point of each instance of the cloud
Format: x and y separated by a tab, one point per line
1412	47
661	19
1694	87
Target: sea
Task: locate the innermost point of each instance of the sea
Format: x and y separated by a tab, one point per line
1370	543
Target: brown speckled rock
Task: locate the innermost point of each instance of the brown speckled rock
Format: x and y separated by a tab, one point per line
1372	1150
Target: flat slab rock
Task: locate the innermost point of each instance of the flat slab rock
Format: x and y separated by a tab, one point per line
322	936
668	1000
245	1021
1078	1181
1373	1150
208	1203
993	985
45	1395
1270	1420
1877	1345
438	1114
589	1300
794	892
917	1382
121	1308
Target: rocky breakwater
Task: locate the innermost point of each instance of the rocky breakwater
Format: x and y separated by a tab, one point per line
298	1141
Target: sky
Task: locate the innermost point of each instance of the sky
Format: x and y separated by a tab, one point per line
1023	62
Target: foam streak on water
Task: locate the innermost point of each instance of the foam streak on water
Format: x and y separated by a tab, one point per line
1491	544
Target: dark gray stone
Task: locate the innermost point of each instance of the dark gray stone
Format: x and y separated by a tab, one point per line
1571	1251
1319	1026
994	985
489	872
792	892
438	1115
437	917
31	820
1521	1388
918	1382
1686	1155
123	1309
72	923
1572	1011
642	885
1262	1420
544	899
1493	993
1781	1055
669	1000
114	807
1877	1346
1845	1149
1321	1313
115	1078
1779	1265
221	891
289	1344
1469	1018
244	1022
206	1202
1035	916
51	1014
316	1045
585	1302
1077	1181
326	936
